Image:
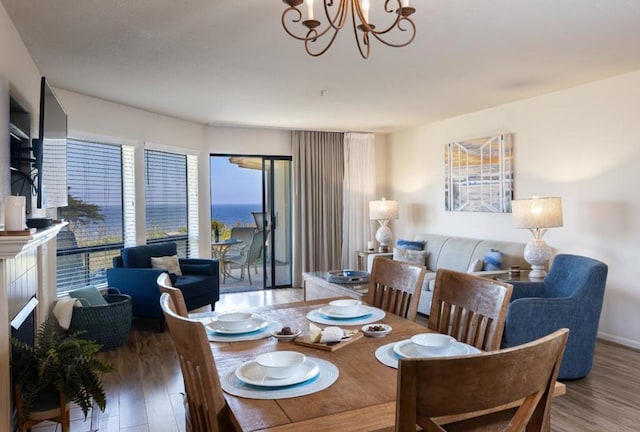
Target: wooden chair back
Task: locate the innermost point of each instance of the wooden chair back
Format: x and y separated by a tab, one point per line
208	410
470	308
439	387
395	287
164	285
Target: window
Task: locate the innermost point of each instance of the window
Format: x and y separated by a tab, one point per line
96	228
166	199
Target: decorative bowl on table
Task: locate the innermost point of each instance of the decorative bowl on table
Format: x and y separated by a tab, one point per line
432	343
346	307
376	330
347	276
280	364
234	320
286	334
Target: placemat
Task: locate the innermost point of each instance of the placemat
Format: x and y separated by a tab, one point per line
258	334
328	375
388	357
317	317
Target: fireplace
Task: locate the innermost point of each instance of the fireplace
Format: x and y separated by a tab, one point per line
23	328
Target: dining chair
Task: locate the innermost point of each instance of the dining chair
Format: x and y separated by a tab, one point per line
431	388
164	285
395	286
470	308
208	410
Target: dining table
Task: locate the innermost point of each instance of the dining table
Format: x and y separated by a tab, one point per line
362	398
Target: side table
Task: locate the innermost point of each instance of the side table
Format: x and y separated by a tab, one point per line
523	277
361	258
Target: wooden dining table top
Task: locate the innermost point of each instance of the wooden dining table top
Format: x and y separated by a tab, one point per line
362	399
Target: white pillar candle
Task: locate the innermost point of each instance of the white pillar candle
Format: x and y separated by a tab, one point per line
14	213
405	3
365	10
370	245
309	9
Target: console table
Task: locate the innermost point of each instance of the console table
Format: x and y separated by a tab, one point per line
316	286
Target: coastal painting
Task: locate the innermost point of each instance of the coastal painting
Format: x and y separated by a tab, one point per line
479	174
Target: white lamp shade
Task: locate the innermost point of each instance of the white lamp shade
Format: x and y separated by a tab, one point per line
383	210
537	212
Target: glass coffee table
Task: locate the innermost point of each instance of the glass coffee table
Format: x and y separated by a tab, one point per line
316	286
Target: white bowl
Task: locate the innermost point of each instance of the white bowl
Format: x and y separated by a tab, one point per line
376	330
345	306
432	343
234	320
280	364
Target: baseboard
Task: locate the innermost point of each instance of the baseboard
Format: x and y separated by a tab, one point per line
620	340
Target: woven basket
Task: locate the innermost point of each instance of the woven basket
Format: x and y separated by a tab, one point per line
108	325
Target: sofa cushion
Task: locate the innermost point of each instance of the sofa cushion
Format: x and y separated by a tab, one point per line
409	256
493	260
410	244
475	266
140	256
169	264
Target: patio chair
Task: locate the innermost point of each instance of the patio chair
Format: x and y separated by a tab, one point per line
249	255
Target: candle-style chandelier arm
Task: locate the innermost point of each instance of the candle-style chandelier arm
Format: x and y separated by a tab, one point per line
336	23
360	20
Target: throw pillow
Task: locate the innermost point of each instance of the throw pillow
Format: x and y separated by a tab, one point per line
167	263
493	260
410	256
475	266
411	245
89	296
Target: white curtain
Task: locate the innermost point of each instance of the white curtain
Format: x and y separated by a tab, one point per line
358	189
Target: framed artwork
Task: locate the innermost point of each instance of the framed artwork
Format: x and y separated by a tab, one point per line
479	174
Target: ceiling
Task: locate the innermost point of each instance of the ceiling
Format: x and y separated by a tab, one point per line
230	63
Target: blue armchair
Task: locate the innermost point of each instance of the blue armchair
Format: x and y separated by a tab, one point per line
570	296
133	275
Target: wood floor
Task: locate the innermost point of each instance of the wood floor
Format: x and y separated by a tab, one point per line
144	394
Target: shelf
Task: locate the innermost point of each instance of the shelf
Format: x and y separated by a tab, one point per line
12	246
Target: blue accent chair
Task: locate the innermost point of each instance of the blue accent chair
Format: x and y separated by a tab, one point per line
570	296
132	275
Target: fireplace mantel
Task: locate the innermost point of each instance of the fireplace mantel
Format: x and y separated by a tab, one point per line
12	246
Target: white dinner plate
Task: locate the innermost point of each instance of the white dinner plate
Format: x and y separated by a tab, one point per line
362	311
252	325
407	349
375	315
251	373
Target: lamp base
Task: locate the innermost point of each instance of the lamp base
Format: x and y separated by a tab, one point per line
384	237
537	253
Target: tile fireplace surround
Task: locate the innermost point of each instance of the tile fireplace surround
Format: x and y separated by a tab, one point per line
27	269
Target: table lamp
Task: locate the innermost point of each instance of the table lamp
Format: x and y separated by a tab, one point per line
383	211
537	214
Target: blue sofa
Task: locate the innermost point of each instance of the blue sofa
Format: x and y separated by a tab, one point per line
570	296
133	275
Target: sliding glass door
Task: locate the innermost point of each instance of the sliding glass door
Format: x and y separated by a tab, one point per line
251	209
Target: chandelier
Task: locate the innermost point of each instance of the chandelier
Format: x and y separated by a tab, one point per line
362	28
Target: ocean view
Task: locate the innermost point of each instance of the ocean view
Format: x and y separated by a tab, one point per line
234	214
229	214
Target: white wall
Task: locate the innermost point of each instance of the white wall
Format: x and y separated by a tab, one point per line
582	144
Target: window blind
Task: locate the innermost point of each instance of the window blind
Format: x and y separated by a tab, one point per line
192	200
94	212
166	199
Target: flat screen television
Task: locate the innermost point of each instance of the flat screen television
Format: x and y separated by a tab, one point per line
50	150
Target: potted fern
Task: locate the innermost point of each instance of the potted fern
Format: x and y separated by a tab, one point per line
59	363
